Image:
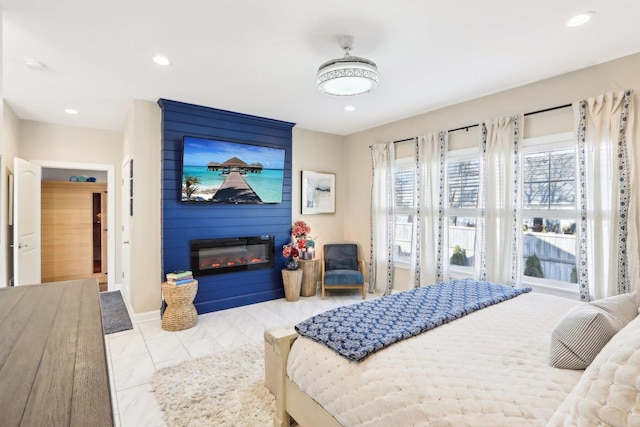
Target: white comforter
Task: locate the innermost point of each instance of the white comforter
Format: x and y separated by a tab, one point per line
489	368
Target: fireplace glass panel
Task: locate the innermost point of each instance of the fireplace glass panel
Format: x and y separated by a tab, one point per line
213	256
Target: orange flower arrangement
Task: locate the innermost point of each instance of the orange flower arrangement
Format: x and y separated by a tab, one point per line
300	240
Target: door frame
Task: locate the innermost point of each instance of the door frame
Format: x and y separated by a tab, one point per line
125	222
111	207
4	223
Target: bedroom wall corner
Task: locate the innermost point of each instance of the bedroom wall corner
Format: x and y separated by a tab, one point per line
320	152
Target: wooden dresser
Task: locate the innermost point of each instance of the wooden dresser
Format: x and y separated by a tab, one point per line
53	367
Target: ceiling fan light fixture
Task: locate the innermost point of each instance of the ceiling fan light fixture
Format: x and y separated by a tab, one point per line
348	76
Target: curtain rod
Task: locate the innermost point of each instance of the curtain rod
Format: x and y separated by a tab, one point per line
476	125
548	109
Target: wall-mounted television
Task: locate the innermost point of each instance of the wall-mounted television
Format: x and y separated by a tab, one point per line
217	171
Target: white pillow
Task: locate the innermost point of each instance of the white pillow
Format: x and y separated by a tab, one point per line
608	392
624	307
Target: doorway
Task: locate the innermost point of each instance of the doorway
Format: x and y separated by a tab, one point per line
77	223
73	235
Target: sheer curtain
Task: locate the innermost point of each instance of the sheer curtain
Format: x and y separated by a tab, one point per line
429	225
607	195
498	232
382	219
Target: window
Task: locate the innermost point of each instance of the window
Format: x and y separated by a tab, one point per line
462	186
549	210
462	175
403	199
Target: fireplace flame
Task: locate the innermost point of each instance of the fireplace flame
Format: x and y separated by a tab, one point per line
234	257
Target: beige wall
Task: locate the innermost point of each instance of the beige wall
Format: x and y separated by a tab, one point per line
320	152
69	144
75	145
142	143
10	136
8	150
4	226
611	76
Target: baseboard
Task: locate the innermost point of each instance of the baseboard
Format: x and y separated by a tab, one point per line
146	316
140	317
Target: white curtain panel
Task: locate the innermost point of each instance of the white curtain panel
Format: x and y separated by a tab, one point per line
607	196
498	232
429	237
417	242
382	219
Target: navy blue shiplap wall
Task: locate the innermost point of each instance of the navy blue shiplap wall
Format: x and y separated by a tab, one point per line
182	222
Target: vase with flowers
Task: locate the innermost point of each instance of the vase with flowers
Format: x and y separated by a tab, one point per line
301	245
300	232
291	252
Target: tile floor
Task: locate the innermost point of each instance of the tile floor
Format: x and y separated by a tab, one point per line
134	355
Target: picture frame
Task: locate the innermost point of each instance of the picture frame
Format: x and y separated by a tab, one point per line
318	192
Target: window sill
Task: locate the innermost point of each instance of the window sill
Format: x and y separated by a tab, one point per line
459	273
403	265
554	289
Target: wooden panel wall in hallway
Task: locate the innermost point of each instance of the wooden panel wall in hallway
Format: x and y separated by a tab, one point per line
67	229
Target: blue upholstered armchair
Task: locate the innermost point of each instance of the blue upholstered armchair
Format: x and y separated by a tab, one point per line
341	268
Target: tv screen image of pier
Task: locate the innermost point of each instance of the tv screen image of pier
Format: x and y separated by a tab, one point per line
216	171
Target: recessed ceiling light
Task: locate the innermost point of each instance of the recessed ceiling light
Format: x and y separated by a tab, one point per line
70	111
349	108
35	65
579	19
161	60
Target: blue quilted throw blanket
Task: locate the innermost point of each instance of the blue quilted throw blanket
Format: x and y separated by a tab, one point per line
357	330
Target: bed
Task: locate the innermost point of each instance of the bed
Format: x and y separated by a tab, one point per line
489	368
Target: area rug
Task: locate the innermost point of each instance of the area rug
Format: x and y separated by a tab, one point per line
115	317
222	389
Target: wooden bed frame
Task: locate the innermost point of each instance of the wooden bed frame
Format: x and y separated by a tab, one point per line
291	402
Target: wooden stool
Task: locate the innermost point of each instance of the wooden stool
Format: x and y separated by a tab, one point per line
180	312
310	269
292	280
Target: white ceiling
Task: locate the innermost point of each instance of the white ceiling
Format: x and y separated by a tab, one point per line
260	57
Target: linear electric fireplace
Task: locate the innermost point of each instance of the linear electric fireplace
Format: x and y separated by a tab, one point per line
226	255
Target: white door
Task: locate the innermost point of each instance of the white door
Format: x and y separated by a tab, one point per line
26	222
127	200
